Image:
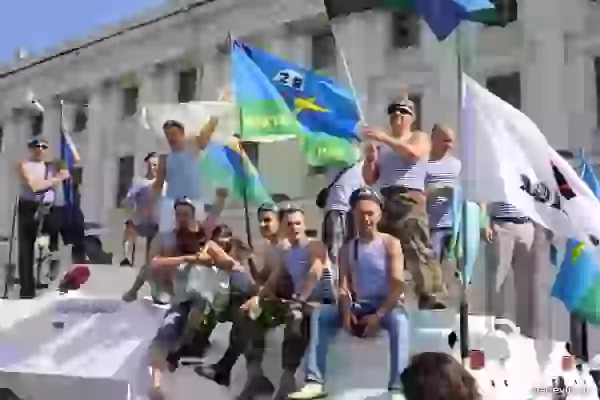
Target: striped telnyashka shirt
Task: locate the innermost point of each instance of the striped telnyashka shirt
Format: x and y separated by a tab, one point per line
348	182
442	173
396	171
500	210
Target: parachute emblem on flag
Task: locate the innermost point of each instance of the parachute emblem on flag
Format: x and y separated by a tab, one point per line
290	78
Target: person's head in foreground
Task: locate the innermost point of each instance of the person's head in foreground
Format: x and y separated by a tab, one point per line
175	134
38	148
268	221
402	115
151	161
366	205
295	227
438	376
442	139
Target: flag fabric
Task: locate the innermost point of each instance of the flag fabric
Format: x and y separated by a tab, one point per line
588	175
279	97
577	283
67	156
514	163
321	150
224	166
193	115
442	16
471	233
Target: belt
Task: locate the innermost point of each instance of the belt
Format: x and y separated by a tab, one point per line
514	220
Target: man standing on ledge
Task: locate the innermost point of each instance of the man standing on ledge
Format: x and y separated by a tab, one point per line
180	170
399	166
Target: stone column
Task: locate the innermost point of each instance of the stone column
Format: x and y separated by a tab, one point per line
210	82
51	126
12	151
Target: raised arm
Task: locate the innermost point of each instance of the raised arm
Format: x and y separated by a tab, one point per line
396	273
38	185
159	182
212	219
318	261
207	131
370	169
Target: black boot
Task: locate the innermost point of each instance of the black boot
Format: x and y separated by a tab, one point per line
215	373
257	384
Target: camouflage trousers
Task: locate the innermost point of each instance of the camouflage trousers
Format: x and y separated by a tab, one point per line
405	217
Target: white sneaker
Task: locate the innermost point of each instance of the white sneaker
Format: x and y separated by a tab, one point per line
397	395
309	391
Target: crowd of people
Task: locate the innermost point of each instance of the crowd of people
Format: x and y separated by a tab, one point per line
386	227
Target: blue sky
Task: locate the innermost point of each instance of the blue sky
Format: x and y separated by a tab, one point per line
38	25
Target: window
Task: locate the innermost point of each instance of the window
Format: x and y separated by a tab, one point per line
323	51
597	82
251	150
507	9
37	124
130	99
77	178
187	85
416	99
80	118
405	29
507	87
125	171
1	139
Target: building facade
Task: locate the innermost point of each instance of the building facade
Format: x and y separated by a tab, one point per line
545	62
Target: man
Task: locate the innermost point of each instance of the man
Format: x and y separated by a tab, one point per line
137	200
510	237
399	167
304	262
337	226
371	286
269	223
36	199
443	172
172	265
180	170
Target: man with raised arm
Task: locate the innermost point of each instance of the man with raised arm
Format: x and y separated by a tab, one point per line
399	166
371	288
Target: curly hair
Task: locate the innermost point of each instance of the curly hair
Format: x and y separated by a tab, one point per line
438	376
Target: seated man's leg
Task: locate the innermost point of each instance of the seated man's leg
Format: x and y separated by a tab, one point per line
167	339
325	323
295	342
396	324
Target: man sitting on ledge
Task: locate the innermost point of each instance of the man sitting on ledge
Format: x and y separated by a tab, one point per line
371	285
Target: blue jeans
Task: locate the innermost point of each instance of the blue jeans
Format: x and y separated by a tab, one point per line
327	321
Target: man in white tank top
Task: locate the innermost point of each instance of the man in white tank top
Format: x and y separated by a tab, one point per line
399	167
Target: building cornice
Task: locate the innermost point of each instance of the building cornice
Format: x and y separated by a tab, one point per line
199	30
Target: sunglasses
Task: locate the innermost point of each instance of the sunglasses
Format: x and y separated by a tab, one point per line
39	146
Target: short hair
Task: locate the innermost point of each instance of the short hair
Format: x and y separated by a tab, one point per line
289	209
184	201
171	123
438	376
267	207
365	193
149	156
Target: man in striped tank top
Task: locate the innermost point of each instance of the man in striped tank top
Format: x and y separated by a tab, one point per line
303	263
370	294
442	176
510	238
399	166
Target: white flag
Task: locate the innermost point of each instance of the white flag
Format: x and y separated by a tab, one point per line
506	158
193	115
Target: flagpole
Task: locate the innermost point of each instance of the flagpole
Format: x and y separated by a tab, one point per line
462	261
245	189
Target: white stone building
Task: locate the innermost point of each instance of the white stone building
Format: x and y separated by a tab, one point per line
544	62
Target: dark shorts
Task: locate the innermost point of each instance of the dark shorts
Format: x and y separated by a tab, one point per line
145	229
170	333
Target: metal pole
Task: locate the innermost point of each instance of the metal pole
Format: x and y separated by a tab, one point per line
245	191
462	261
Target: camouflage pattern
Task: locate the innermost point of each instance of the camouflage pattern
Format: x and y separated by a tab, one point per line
405	217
